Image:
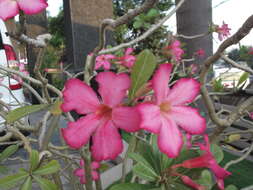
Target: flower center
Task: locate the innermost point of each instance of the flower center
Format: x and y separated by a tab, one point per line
104	111
165	107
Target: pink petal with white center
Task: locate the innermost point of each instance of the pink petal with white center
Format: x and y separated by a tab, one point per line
32	7
9	9
188	118
170	138
160	82
126	118
80	97
78	133
112	87
184	91
107	143
150	117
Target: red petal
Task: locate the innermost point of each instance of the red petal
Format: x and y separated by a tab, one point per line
188	118
126	118
160	82
107	143
113	87
80	97
78	133
32	7
170	138
184	91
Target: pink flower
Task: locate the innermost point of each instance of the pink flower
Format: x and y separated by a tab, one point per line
223	31
169	110
175	50
206	160
189	182
200	52
251	115
127	60
80	172
10	8
104	61
103	116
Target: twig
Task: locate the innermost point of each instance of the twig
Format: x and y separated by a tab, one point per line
85	153
43	129
232	162
34	92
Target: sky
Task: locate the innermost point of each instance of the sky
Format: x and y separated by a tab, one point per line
232	12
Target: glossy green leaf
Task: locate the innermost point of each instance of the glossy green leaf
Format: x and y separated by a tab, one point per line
145	172
8	152
152	13
51	167
27	185
34	159
18	113
231	187
218	86
12	180
142	71
205	179
137	24
242	78
217	152
131	186
45	184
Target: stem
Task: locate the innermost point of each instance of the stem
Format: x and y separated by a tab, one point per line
85	153
98	184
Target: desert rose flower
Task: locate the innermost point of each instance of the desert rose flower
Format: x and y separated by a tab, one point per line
175	50
168	111
10	8
127	60
80	172
223	31
200	52
206	160
103	116
104	61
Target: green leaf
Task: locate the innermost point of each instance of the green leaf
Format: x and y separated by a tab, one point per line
152	13
18	113
27	185
3	169
55	109
137	24
8	152
12	180
51	167
218	86
142	71
217	152
45	184
34	159
242	78
205	179
145	172
231	187
131	186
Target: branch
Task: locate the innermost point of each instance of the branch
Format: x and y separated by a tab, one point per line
233	63
146	34
39	42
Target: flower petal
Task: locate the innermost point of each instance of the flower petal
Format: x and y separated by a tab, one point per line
8	9
79	96
107	143
79	172
126	118
170	138
112	87
188	118
160	82
78	133
32	7
150	117
184	91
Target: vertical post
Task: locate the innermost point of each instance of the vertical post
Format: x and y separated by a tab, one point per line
82	21
194	17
